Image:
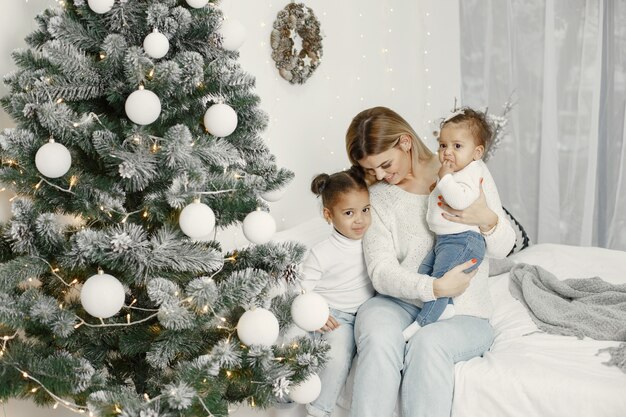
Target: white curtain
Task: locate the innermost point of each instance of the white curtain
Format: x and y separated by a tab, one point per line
561	168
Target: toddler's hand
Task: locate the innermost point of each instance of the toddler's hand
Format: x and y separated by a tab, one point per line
446	168
331	324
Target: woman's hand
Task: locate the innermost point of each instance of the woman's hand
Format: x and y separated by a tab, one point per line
455	281
331	324
477	214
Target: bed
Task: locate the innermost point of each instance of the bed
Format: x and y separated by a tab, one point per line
527	373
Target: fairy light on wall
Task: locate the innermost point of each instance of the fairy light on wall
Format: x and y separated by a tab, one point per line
427	127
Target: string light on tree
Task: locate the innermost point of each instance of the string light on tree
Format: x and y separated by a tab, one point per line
156	44
197	220
310	311
100	6
197	4
258	326
220	120
306	391
53	160
259	227
233	34
102	295
143	107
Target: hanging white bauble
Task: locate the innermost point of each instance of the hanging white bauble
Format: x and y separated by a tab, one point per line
273	195
53	160
259	227
306	391
102	295
309	311
220	120
100	6
197	4
6	207
258	327
197	220
233	34
143	107
156	44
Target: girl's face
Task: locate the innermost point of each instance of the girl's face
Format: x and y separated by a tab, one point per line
457	146
392	165
350	214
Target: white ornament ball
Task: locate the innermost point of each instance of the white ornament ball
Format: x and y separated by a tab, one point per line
197	4
53	160
220	120
143	107
258	327
102	296
6	207
233	34
156	44
306	391
273	195
259	227
197	220
309	311
100	6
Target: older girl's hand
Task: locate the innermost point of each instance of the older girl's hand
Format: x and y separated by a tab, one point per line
455	281
331	324
477	214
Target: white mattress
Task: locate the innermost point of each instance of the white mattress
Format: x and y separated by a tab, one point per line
527	373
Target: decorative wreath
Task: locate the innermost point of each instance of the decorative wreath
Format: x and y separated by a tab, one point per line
296	20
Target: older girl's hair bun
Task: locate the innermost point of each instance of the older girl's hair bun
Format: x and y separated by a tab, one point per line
319	183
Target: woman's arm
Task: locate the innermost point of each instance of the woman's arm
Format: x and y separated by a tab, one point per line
390	278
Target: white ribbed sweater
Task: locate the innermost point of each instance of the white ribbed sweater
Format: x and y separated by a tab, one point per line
399	239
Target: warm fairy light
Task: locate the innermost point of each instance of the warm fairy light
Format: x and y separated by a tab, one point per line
205	309
24	374
128	318
147	398
74	282
117	409
34	390
54	407
102	55
229	374
145	214
73	180
59	101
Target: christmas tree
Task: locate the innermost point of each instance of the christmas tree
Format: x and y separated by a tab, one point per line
137	135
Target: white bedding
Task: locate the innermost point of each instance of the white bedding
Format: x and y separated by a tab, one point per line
526	373
534	374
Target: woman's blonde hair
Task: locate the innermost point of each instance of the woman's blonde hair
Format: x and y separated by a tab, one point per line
377	130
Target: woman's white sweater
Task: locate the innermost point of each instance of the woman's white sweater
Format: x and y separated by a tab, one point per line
399	239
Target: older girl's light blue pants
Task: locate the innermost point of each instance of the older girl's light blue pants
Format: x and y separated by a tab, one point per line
422	368
335	373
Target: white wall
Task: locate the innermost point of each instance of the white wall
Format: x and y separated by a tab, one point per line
400	54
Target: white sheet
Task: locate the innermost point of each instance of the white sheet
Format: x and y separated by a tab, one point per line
534	374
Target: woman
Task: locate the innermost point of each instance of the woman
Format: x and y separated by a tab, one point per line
402	170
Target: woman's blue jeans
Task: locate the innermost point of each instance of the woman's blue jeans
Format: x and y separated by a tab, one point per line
422	368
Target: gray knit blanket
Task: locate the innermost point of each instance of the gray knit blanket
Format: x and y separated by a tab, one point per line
588	307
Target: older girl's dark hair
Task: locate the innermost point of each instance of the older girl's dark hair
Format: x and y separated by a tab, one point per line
330	187
477	123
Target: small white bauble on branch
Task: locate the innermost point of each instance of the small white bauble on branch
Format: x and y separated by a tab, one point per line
102	295
156	44
259	227
309	311
143	107
100	6
306	391
273	195
197	220
197	4
258	327
53	160
233	34
220	120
